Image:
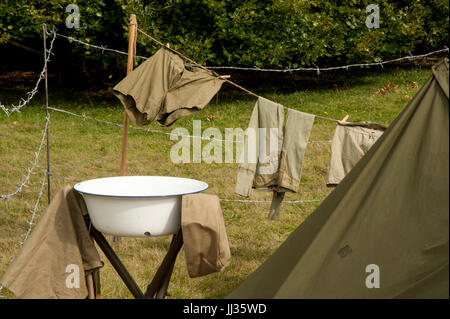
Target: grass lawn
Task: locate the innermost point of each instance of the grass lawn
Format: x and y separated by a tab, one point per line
85	149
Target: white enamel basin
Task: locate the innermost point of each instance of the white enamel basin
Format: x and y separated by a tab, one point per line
137	206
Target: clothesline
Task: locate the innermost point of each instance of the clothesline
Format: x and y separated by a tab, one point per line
224	79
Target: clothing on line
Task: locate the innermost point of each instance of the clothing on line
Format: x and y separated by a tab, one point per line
262	145
278	168
165	89
296	135
349	144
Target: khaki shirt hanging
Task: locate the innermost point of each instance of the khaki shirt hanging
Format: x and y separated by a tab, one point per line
165	89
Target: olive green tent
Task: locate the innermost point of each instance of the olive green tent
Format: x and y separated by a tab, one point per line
384	231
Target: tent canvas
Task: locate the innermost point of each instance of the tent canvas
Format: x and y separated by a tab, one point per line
388	217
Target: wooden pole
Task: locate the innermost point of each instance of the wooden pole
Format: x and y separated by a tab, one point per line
131	53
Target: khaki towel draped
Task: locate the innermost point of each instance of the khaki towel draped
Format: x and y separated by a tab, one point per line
165	89
205	238
59	244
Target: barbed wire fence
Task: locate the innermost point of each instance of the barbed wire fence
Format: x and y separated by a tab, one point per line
34	164
35	208
333	68
32	93
285	70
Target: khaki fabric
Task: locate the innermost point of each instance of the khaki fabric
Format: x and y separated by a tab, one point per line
163	88
279	152
296	135
61	238
205	238
350	143
275	205
391	210
260	162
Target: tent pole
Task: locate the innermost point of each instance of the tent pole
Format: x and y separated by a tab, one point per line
131	53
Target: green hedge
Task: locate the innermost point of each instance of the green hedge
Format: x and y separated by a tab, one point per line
273	33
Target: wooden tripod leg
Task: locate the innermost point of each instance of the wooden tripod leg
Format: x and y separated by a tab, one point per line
165	270
116	263
162	292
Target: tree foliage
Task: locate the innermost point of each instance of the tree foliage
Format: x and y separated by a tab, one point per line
275	33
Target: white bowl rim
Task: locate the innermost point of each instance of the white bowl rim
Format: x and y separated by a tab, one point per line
205	187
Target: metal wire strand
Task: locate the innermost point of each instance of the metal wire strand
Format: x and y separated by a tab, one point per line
333	68
32	93
35	208
34	164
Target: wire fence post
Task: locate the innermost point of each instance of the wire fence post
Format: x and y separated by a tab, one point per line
44	28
